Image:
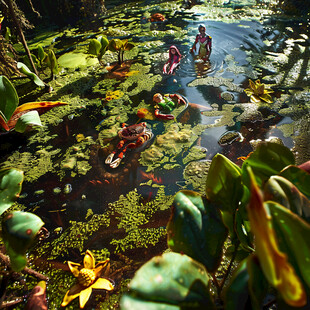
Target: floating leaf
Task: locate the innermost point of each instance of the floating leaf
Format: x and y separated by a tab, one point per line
10	187
224	184
168	281
24	69
29	118
38	105
8	97
196	229
19	230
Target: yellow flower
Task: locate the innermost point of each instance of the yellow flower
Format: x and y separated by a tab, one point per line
258	92
277	270
87	278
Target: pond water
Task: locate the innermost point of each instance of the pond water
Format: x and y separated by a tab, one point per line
121	213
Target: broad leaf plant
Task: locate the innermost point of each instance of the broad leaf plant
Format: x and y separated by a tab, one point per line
257	217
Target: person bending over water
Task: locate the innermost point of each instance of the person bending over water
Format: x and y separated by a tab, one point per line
173	61
205	43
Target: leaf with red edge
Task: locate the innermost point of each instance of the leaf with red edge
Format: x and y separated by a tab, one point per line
38	105
3	123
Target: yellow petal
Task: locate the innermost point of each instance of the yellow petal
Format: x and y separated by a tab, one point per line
266	97
103	284
89	260
84	296
255	99
277	270
71	294
100	266
74	268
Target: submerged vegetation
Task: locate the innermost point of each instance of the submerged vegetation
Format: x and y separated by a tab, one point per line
212	212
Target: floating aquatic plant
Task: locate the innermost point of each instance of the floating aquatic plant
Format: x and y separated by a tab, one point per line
258	92
88	277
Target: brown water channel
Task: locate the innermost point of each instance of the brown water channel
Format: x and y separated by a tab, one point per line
121	213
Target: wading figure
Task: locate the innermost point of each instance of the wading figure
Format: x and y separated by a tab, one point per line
164	105
205	42
173	61
131	138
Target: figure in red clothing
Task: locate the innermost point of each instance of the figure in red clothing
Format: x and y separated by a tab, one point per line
173	61
205	42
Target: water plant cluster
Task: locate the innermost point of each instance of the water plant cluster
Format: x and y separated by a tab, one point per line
183	222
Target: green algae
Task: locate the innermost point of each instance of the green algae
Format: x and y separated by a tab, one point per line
195	153
75	61
167	146
34	165
196	173
132	213
216	82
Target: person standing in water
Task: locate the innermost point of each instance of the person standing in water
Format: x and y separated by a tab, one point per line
173	61
205	42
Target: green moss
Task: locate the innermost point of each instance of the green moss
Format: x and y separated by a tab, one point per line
195	154
217	82
133	214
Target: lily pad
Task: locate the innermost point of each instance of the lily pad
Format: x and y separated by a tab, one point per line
76	60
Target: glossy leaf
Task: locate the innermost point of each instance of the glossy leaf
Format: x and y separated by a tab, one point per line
293	234
257	283
299	177
243	232
196	229
3	121
8	97
236	293
267	160
274	263
19	230
104	42
224	184
38	105
170	281
128	46
10	187
94	47
284	192
24	69
27	119
115	45
53	62
41	54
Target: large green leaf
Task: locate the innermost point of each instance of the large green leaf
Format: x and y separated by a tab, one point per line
236	293
258	284
224	184
8	97
94	47
10	187
19	230
104	42
299	177
293	235
267	160
281	190
171	281
196	228
41	54
24	69
29	118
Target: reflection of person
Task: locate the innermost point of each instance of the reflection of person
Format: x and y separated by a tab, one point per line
173	61
205	42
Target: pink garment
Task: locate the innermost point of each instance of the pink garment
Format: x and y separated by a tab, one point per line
173	61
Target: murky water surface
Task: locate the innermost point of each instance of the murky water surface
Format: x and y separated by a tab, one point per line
72	200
